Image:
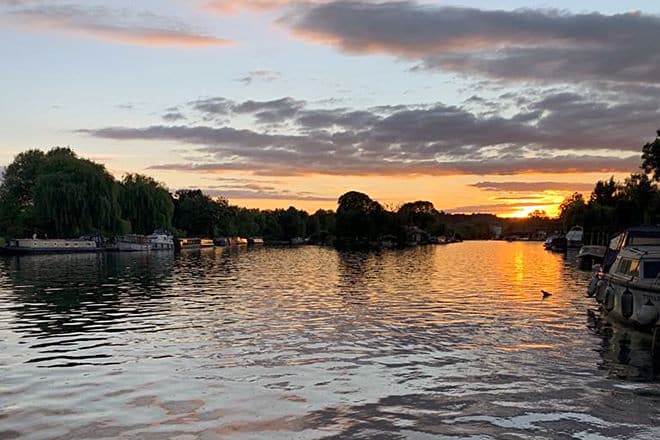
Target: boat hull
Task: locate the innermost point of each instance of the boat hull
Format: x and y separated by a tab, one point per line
633	304
26	246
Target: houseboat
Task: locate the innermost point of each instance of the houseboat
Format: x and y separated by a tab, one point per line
206	243
49	246
630	291
133	243
237	241
188	244
161	241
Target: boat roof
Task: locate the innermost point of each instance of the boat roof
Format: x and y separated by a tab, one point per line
641	251
643	230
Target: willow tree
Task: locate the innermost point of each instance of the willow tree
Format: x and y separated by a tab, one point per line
17	213
59	194
145	203
75	196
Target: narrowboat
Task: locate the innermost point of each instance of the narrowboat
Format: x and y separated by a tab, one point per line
49	246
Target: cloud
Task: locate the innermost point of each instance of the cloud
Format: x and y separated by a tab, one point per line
496	208
173	116
271	194
524	44
553	132
517	186
141	28
234	6
260	75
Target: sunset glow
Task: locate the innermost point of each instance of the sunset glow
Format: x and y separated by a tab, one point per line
278	103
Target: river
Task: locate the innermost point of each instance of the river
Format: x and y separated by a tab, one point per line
436	342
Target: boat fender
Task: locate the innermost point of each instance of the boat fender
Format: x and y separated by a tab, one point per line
608	301
593	285
647	314
627	303
601	287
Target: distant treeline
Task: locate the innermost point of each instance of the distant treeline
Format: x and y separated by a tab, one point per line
58	194
613	206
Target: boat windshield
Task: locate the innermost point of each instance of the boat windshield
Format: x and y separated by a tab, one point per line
644	241
651	269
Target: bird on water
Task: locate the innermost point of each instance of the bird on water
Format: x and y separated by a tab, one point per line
545	293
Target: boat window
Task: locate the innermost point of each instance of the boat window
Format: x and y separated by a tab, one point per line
628	267
644	241
651	269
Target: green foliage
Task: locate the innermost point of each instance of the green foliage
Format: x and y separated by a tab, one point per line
58	194
197	214
145	204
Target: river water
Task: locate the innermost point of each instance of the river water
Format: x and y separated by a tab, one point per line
428	343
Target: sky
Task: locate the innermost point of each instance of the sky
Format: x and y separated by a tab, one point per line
269	103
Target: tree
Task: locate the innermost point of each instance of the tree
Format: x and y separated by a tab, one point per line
572	210
641	194
651	157
421	214
59	194
74	196
198	214
145	203
605	192
359	219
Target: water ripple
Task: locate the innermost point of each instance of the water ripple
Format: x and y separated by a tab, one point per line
436	342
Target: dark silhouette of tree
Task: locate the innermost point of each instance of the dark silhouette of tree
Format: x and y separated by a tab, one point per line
605	192
196	214
360	219
572	211
651	157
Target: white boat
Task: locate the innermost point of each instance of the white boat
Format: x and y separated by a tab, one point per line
161	241
574	237
49	246
630	292
133	243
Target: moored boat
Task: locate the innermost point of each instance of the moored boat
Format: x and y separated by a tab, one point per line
184	244
161	241
630	291
590	255
206	243
574	237
133	243
49	246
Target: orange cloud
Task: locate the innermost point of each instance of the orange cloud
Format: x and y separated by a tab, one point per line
108	25
234	6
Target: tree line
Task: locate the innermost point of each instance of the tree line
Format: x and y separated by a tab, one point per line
58	194
614	205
